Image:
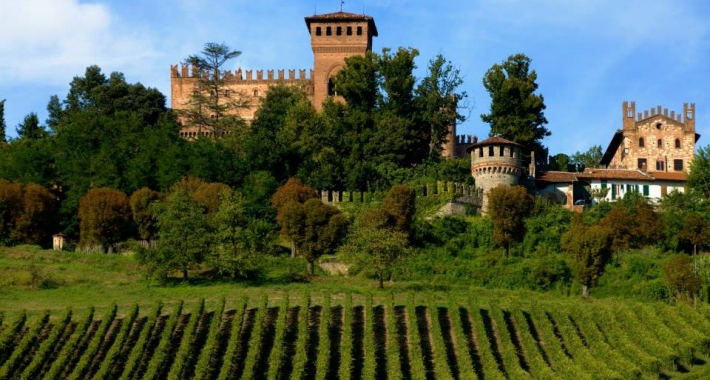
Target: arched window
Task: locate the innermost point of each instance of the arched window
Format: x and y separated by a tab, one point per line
677	143
660	143
256	92
641	142
331	87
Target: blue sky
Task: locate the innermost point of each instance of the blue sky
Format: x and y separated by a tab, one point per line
590	55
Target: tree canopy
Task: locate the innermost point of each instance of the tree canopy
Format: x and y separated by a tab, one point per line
508	206
517	112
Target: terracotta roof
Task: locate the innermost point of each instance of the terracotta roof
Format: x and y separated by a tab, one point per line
343	16
637	175
554	176
495	140
669	176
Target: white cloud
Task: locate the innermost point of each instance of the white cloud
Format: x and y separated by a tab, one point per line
49	41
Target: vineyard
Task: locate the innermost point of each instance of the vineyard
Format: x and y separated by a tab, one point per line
353	336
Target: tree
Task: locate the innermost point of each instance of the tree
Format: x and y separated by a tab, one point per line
210	105
633	223
560	162
185	235
517	113
375	243
590	249
699	173
316	229
680	276
142	201
285	201
105	216
10	208
695	230
34	223
399	205
588	159
30	128
508	206
3	125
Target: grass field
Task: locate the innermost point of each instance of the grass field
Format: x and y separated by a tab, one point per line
80	316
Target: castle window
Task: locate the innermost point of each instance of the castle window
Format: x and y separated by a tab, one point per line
659	126
642	164
502	153
678	165
339	31
677	143
328	31
256	92
660	143
359	30
660	166
318	31
331	87
480	152
641	142
512	152
490	151
349	31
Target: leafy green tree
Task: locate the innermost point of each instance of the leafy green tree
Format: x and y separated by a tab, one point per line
508	206
105	216
3	125
399	204
211	104
30	128
142	201
315	228
681	276
590	250
517	112
696	230
377	245
10	208
633	223
185	235
285	200
588	159
699	172
210	195
55	113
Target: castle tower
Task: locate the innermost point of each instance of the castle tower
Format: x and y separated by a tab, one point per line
495	161
334	37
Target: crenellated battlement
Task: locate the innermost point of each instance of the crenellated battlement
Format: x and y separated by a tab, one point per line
630	114
465	139
247	76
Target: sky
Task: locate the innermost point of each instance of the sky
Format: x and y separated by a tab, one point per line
589	55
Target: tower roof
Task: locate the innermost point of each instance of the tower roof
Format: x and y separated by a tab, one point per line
342	16
495	140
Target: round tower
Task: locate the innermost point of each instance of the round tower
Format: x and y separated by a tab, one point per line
495	161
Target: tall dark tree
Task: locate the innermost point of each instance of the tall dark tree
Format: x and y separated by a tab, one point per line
508	206
517	112
211	104
3	125
105	218
55	113
399	204
30	128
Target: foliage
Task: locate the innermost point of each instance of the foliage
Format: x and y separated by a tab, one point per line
33	225
377	245
699	172
284	200
142	201
211	106
184	235
30	129
589	159
315	228
559	162
680	275
590	249
517	113
633	223
508	206
399	205
544	227
3	124
696	230
105	216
